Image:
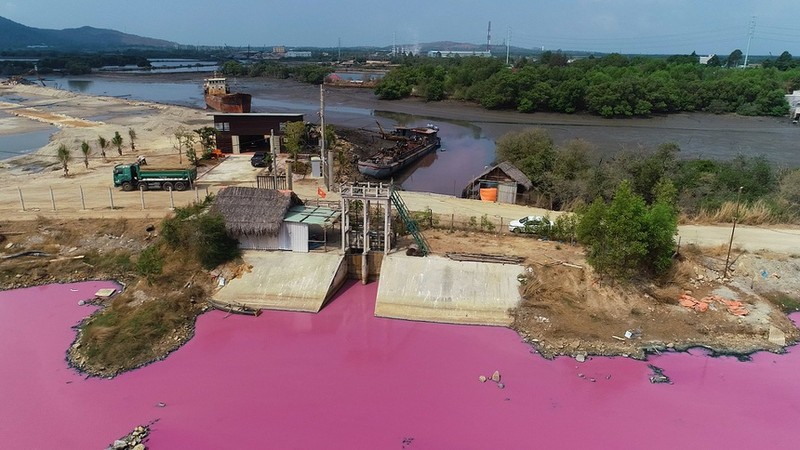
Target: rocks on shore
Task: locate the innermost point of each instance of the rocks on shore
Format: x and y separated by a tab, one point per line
133	440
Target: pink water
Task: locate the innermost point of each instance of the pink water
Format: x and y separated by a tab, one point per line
345	379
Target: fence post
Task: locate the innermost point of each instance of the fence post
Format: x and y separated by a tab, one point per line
206	191
141	194
452	222
21	200
111	198
52	198
83	199
196	194
171	199
500	230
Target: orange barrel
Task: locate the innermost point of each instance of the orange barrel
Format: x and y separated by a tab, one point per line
489	194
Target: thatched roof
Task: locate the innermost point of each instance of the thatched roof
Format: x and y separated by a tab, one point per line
254	211
511	171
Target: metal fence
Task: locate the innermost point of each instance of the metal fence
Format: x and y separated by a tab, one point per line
78	198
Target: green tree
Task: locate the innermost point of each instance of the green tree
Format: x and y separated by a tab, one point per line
103	144
132	135
232	68
117	141
184	141
208	140
532	151
626	238
662	226
64	156
86	150
294	137
734	58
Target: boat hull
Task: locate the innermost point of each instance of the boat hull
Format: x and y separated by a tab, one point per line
229	103
377	170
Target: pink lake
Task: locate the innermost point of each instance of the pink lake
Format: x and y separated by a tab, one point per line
343	379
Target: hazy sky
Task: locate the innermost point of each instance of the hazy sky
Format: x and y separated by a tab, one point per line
627	26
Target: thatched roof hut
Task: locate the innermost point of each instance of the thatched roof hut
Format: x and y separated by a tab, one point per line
252	211
504	172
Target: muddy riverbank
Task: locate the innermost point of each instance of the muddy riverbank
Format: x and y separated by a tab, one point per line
700	135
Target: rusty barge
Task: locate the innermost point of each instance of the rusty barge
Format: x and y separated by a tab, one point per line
218	96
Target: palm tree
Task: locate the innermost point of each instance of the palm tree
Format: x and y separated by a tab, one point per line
103	143
117	141
64	157
132	134
86	150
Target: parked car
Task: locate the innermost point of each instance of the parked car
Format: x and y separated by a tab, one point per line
530	224
260	159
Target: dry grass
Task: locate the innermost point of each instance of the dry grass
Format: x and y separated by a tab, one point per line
755	213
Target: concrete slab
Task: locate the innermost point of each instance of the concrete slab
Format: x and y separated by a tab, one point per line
235	169
286	281
437	289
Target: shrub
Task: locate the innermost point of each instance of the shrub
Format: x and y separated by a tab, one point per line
213	245
150	262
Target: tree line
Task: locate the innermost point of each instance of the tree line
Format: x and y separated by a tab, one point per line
306	73
611	86
565	177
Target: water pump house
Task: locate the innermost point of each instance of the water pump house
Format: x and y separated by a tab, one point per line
269	219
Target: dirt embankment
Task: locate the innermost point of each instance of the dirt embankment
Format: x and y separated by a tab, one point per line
567	309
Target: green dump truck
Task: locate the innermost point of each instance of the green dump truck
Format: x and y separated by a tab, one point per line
134	176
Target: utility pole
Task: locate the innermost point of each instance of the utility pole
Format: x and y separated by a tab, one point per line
730	243
508	45
749	38
339	58
273	166
322	135
489	37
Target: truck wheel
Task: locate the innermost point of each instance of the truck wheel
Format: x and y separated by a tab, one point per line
180	186
127	186
144	187
167	186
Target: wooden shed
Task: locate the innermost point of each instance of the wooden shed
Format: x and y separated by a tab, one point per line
502	183
249	132
269	219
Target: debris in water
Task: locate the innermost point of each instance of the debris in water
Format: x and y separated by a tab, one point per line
658	375
161	404
496	376
482	378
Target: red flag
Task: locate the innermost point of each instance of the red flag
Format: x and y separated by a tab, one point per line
320	192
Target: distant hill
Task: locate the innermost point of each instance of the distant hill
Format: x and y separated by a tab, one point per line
15	36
